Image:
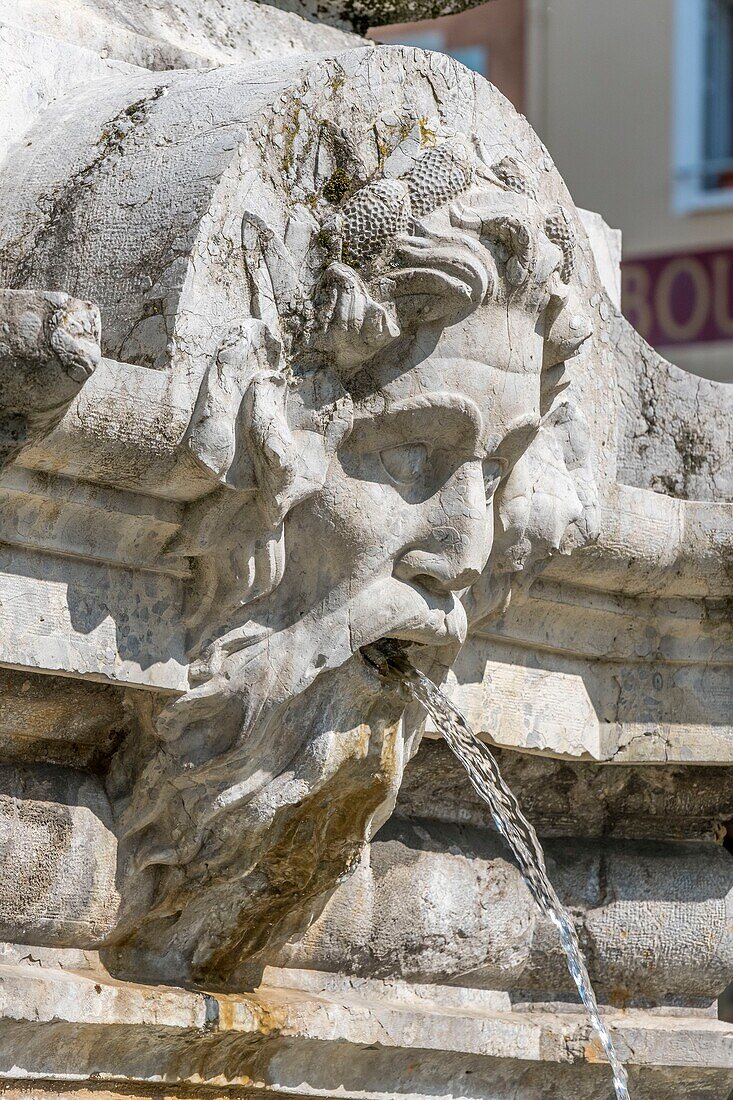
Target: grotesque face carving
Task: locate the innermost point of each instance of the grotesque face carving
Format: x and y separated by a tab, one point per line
364	455
416	479
403	522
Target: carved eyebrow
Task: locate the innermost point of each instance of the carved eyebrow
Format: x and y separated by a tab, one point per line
457	407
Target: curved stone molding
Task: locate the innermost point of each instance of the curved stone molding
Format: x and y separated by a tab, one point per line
439	902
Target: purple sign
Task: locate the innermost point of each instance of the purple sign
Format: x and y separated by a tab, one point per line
680	298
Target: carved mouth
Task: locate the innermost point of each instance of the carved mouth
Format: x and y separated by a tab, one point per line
406	611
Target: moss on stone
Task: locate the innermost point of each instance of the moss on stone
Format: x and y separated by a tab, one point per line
337	186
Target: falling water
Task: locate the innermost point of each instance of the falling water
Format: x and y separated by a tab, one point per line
484	774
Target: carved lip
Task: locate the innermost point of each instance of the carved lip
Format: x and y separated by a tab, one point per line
434	625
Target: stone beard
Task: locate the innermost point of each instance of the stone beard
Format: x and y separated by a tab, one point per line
386	438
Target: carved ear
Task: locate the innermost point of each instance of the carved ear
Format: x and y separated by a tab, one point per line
566	325
550	493
573	435
214	436
258	432
351	325
294	431
267	442
547	504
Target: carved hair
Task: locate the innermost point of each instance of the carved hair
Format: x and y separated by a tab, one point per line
387	267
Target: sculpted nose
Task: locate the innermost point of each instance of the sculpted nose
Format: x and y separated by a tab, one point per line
453	554
447	561
435	572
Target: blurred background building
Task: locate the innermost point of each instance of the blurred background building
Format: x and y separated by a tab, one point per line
635	101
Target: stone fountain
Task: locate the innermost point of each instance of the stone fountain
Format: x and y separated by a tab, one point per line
304	345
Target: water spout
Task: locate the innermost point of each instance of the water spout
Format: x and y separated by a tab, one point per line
483	772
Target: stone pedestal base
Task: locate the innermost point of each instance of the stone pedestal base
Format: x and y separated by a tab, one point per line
67	1033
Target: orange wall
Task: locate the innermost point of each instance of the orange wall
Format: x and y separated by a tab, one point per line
498	26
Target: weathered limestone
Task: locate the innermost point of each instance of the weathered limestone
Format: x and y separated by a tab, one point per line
161	35
442	903
58	855
360	373
311	1034
482	254
48	349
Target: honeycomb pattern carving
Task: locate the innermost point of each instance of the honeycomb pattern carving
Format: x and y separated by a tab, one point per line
508	171
561	231
372	218
438	176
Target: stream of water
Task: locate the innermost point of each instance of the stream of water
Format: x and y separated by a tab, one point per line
483	772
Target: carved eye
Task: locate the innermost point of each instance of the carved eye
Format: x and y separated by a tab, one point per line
405	463
493	473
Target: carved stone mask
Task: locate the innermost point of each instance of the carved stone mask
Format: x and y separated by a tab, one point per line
362	427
